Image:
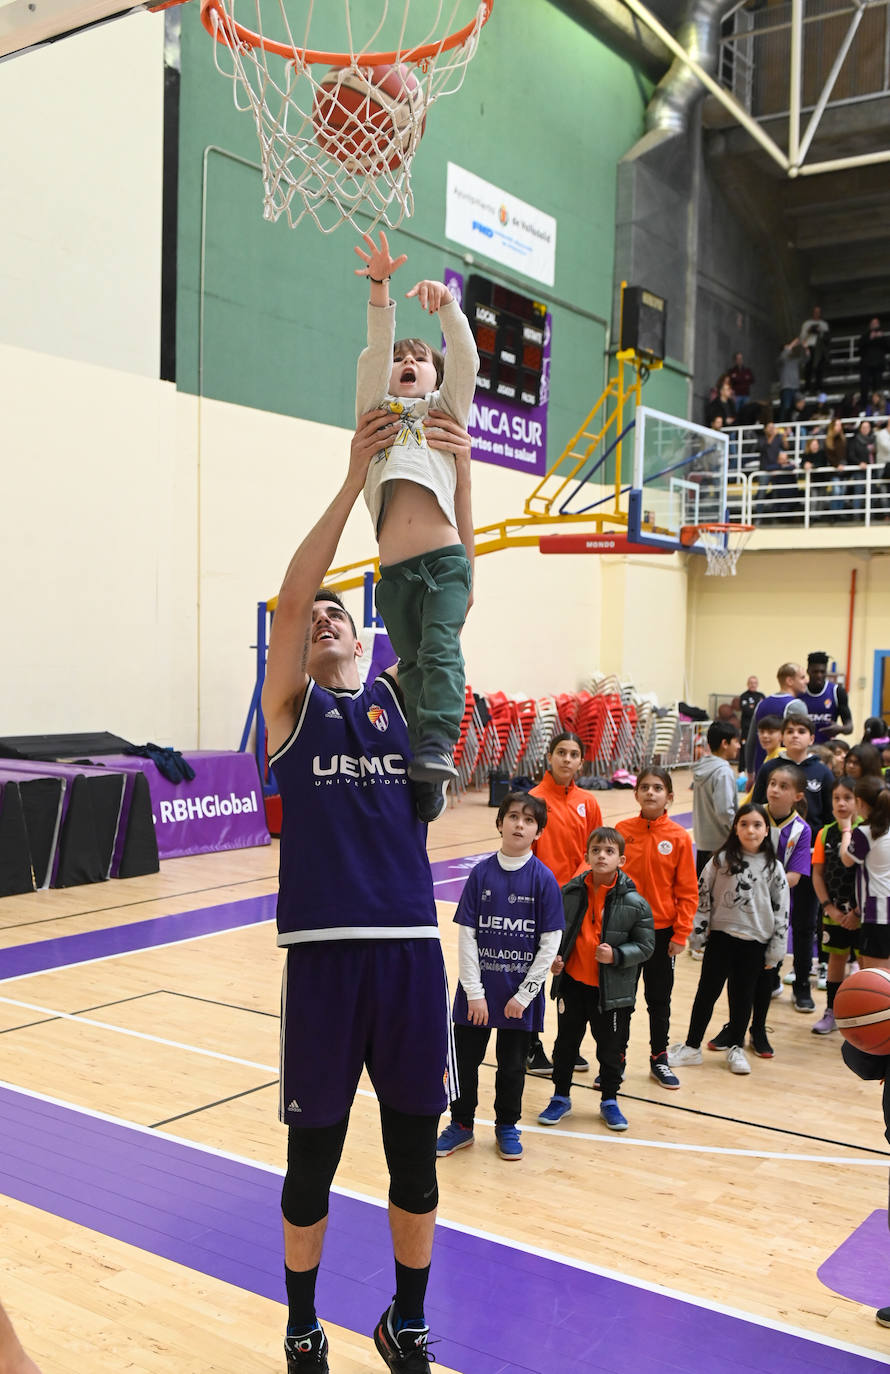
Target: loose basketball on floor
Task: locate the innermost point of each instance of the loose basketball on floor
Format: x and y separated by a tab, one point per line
368	117
862	1010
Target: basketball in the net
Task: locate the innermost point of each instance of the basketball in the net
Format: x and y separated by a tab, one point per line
369	119
862	1010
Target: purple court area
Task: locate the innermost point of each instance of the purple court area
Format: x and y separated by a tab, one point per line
860	1268
498	1309
43	955
494	1309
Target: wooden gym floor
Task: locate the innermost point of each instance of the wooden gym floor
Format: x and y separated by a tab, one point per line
739	1224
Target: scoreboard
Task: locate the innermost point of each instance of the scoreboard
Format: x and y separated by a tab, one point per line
509	333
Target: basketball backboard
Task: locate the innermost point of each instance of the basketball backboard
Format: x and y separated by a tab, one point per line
680	473
26	24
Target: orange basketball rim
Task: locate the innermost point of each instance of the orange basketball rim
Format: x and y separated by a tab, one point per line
302	57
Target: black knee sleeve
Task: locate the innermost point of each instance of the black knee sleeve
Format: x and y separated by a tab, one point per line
313	1153
409	1143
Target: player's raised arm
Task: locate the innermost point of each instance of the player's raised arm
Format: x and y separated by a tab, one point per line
286	674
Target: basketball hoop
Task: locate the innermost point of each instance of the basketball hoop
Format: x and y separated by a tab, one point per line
337	142
723	545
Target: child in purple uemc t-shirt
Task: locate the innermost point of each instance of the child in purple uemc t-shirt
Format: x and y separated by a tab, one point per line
510	920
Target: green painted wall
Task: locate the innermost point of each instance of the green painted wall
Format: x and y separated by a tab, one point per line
545	113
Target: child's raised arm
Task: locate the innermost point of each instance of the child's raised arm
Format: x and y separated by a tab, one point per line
375	361
378	267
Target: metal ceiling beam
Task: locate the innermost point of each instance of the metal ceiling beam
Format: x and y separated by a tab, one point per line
793	168
832	77
794	83
732	105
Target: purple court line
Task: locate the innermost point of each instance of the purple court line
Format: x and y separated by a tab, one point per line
505	1310
43	955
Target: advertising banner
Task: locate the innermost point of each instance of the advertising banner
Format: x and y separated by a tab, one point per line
505	228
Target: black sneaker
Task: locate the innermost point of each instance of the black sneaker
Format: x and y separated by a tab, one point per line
721	1041
432	762
598	1085
405	1352
537	1063
431	800
802	1001
882	1316
761	1046
581	1065
661	1071
307	1353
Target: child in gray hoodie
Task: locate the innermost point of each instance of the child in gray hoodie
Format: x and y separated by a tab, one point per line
714	792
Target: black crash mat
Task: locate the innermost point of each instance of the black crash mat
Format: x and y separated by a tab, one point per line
61	746
16	874
140	851
42	805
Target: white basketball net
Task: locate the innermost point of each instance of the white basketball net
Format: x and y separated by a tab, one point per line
723	549
319	156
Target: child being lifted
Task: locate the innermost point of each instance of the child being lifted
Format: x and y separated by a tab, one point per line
419	499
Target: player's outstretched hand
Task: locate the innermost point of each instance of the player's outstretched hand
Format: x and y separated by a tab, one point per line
374	431
377	264
431	294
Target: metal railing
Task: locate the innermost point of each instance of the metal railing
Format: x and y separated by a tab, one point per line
817	496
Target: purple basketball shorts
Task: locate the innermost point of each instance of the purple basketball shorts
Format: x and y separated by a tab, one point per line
354	1003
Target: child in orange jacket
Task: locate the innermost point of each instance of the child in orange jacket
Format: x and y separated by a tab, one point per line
572	816
660	860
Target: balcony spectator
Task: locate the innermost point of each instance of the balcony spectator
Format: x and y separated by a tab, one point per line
722	403
873	346
815	337
836	444
878	406
790	359
860	457
741	379
777	479
822	479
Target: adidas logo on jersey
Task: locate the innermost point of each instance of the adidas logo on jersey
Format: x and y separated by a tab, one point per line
294	1106
333	714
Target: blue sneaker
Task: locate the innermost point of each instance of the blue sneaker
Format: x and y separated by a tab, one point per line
507	1141
613	1115
454	1137
556	1109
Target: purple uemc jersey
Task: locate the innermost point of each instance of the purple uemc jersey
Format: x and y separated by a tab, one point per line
872	875
770	706
793	843
353	862
509	912
822	709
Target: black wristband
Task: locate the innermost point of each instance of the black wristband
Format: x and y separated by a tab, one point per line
375	280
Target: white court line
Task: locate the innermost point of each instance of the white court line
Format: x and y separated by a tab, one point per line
682	1146
142	949
599	1270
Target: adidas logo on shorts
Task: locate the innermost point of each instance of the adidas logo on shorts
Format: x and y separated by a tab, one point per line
294	1106
333	714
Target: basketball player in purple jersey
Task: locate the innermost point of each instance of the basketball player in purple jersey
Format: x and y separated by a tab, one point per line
827	704
364	981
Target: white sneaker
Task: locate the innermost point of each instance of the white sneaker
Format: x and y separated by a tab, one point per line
788	979
777	992
697	955
737	1060
681	1055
